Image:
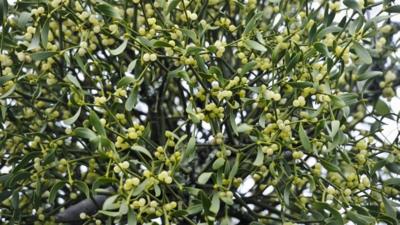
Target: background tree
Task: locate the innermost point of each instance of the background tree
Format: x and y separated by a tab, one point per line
198	112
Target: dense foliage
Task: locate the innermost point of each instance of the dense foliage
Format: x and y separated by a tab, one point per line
199	111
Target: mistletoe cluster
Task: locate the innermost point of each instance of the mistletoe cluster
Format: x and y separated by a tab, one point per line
198	112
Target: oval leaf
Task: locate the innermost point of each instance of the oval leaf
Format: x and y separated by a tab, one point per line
53	192
37	56
72	119
120	48
305	142
362	53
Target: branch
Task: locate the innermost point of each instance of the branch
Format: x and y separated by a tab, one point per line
87	206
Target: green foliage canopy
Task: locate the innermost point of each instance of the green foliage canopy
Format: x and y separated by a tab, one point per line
181	105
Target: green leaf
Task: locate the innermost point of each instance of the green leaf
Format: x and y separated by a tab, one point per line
377	19
338	139
9	92
83	187
15	202
305	142
352	4
252	23
215	204
348	99
387	219
132	217
218	163
44	34
235	167
190	33
157	190
247	67
38	56
3	10
204	177
140	188
124	208
179	213
368	75
110	203
277	54
144	41
141	149
120	48
161	44
194	209
205	201
103	181
321	48
131	66
335	217
360	219
226	199
201	64
255	45
392	182
226	220
4	195
389	209
86	133
3	111
4	178
95	121
260	38
72	79
381	108
328	30
23	19
53	192
25	161
244	128
172	5
106	143
233	124
362	53
21	175
108	213
108	10
179	73
132	99
125	81
393	167
311	182
80	63
6	78
335	125
193	50
286	193
393	9
260	158
330	166
293	61
312	33
37	195
191	114
35	42
189	152
355	25
181	139
49	158
72	119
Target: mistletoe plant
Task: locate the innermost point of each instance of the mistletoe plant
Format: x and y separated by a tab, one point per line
199	112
